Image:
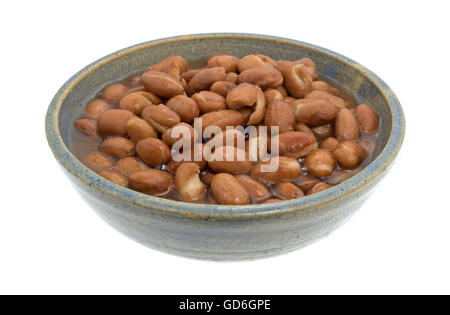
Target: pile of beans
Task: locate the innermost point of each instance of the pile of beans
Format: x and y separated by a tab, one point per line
323	137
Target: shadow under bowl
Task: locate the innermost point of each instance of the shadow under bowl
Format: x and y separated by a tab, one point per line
217	232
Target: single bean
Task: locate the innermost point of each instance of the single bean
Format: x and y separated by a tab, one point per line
325	96
264	77
98	161
162	84
129	165
114	177
228	62
209	101
188	184
222	87
160	117
255	61
153	152
349	154
287	190
151	182
114	93
204	79
318	188
257	191
185	107
320	163
288	169
329	144
346	126
226	190
96	107
117	147
113	122
87	126
229	160
280	114
367	118
139	129
296	77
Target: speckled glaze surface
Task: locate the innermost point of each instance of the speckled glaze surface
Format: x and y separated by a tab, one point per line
223	232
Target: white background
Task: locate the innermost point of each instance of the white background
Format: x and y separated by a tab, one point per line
51	242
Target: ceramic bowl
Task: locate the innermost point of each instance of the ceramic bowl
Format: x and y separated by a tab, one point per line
223	232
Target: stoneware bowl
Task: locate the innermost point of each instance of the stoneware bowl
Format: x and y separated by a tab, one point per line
223	232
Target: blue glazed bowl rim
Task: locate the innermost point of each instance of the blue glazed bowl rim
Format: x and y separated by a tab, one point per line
205	211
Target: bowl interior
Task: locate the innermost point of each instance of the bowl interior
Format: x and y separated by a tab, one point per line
364	86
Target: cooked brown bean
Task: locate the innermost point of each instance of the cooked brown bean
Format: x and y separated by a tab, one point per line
136	102
188	75
153	152
222	119
307	182
117	147
207	176
257	191
230	160
349	154
139	129
295	144
87	126
329	144
162	84
204	79
320	163
244	94
114	177
95	108
98	161
222	87
231	77
346	126
228	62
184	106
209	101
135	80
151	182
226	190
173	65
318	188
296	77
129	165
287	190
288	169
113	122
255	61
323	131
340	175
280	114
188	184
160	117
264	77
272	94
325	96
170	138
114	93
324	86
367	118
314	112
310	66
